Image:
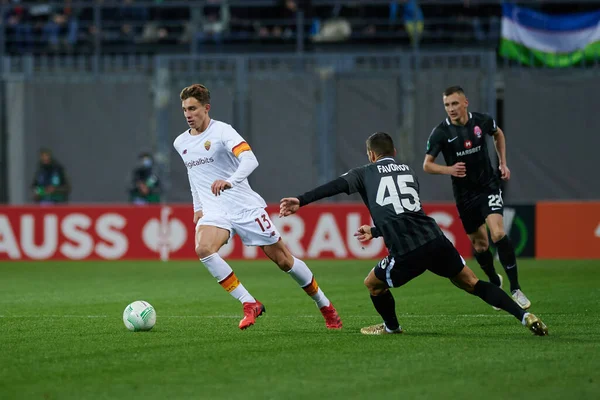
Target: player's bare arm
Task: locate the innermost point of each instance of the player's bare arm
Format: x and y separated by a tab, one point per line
500	143
458	170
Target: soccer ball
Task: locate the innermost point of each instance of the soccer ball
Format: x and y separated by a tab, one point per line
139	316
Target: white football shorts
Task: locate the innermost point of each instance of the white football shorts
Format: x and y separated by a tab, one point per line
254	227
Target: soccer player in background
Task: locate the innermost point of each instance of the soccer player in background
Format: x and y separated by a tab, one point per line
414	240
461	138
219	162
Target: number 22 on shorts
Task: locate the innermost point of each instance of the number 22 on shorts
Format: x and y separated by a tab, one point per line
495	201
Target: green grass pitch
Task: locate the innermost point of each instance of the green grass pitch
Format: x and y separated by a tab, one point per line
62	335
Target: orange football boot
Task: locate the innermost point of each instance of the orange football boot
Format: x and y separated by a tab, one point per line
251	312
332	319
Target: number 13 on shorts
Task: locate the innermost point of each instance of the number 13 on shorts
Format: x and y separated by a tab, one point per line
255	228
263	222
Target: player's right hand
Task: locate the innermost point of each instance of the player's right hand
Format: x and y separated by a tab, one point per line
288	206
363	234
197	215
458	170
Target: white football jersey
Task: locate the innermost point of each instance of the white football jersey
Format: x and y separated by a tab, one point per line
211	156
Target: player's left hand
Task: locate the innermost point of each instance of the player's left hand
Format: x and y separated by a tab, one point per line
504	172
364	233
219	186
288	206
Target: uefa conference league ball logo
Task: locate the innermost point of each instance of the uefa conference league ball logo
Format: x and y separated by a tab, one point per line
166	235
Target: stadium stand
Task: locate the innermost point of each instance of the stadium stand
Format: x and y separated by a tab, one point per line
164	26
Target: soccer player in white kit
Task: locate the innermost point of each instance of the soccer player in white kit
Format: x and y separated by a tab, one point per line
219	162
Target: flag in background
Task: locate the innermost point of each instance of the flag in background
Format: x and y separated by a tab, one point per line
556	41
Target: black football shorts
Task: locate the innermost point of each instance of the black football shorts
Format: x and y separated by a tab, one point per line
474	212
438	256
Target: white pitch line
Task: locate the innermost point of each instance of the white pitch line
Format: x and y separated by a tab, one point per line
270	316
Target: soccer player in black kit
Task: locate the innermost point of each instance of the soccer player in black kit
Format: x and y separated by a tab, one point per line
461	138
415	242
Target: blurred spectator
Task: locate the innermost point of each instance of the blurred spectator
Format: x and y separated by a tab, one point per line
166	24
61	29
132	18
335	27
413	20
280	22
482	28
209	23
50	184
349	20
145	185
332	30
19	27
287	12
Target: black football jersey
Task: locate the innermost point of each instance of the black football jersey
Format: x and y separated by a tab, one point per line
390	191
467	144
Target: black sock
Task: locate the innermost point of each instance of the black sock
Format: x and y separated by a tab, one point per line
386	307
497	297
506	253
486	262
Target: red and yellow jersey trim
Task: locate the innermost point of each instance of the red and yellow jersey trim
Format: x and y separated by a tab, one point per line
240	148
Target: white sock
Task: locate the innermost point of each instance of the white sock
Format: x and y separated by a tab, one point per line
523	321
304	277
226	277
242	294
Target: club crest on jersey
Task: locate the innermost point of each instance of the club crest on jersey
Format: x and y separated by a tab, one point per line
477	131
468	144
207	145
